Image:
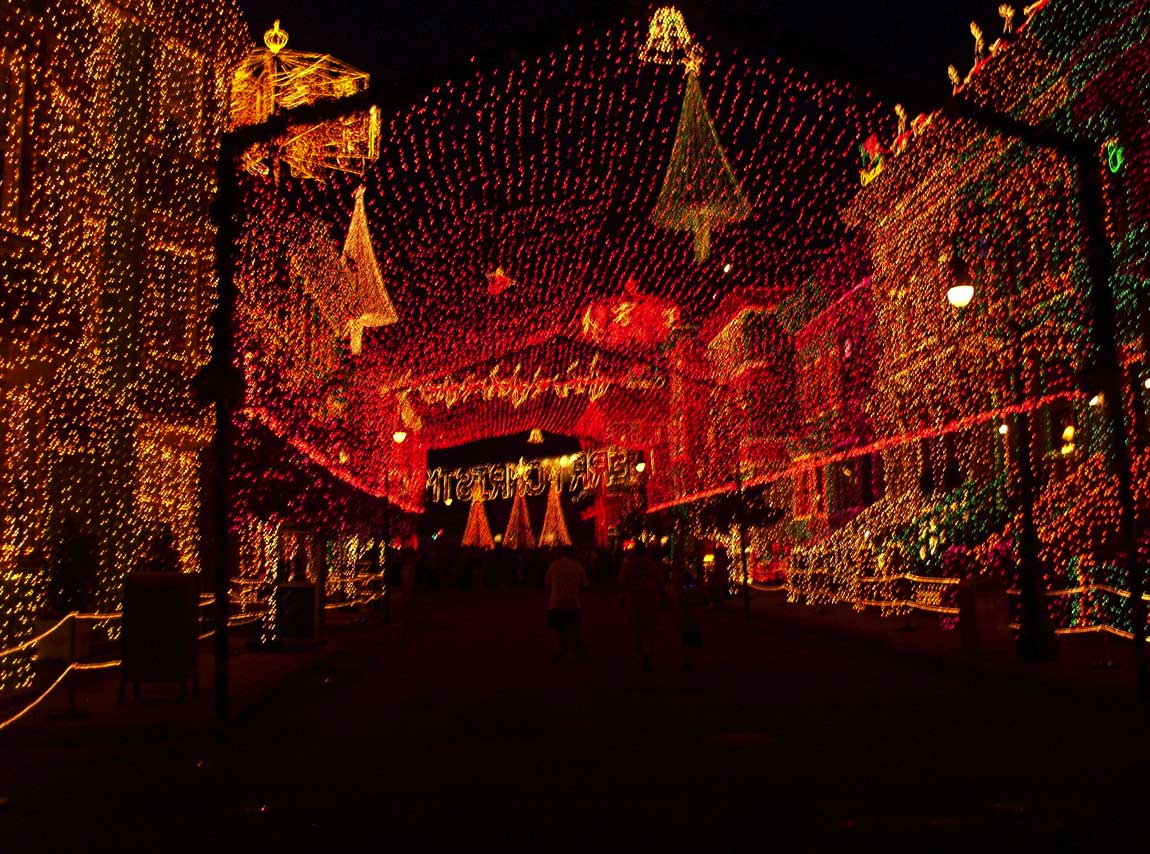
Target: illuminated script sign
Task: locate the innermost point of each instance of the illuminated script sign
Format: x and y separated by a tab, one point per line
584	471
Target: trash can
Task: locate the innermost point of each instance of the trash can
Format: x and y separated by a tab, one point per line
159	630
984	616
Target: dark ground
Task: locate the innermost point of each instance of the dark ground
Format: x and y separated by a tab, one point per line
463	733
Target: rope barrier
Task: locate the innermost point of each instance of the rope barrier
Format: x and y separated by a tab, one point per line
240	620
237	620
20	647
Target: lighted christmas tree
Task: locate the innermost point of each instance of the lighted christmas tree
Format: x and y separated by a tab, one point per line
518	534
700	192
477	534
554	532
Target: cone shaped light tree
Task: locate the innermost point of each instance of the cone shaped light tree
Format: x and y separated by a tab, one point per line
367	301
347	286
554	531
700	191
477	534
518	534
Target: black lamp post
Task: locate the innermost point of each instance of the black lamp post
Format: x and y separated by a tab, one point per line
741	521
1106	373
1035	637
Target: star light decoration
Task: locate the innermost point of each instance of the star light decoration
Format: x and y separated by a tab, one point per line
498	281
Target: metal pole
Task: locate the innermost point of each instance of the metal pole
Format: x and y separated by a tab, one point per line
71	713
1109	380
388	575
1035	638
1107	374
221	379
224	382
742	523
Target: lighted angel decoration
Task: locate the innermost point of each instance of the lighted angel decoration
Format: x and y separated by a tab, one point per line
669	42
979	42
1006	11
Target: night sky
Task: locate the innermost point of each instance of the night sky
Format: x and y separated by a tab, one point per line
898	48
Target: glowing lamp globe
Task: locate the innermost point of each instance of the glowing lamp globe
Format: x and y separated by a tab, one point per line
399	437
960	296
640	466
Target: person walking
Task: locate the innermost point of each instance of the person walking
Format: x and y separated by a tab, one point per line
689	599
406	572
642	579
565	581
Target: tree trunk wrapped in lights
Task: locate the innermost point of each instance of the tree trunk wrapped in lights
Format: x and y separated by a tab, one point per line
477	534
518	534
700	192
554	531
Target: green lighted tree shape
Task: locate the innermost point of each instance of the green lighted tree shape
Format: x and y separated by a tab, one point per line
700	192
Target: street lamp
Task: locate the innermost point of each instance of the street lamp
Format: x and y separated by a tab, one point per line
960	296
1035	637
961	291
1107	364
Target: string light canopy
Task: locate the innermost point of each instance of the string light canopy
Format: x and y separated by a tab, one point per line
516	260
529	223
511	217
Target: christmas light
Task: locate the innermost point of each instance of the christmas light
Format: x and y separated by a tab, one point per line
513	258
272	80
110	119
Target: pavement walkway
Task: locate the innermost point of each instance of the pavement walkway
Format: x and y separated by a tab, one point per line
458	729
1090	660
